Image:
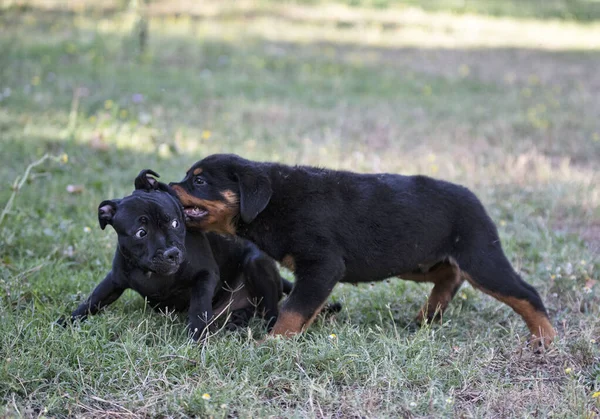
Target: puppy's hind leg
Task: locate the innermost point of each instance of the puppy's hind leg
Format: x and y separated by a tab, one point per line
488	270
447	279
264	284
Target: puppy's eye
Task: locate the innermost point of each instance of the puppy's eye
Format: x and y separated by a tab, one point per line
199	181
140	233
174	223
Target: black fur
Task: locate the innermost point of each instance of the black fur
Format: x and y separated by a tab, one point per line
343	226
194	272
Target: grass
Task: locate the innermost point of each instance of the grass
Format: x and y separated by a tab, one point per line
505	106
578	10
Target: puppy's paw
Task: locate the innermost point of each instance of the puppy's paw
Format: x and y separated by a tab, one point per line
63	321
332	308
539	345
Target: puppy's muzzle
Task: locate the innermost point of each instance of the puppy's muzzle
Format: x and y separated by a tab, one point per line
167	262
173	256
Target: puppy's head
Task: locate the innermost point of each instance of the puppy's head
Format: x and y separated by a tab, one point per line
220	189
150	229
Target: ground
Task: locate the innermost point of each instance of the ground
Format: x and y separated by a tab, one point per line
506	102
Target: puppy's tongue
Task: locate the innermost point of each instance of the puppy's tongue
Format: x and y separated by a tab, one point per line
195	212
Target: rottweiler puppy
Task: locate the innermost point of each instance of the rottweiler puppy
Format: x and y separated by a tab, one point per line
330	226
203	274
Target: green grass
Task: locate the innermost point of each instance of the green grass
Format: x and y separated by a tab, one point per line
578	10
507	107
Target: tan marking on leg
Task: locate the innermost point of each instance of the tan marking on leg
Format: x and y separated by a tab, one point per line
446	279
288	263
313	317
289	323
197	171
538	323
292	323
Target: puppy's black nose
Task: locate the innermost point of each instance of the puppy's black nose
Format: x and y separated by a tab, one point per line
172	255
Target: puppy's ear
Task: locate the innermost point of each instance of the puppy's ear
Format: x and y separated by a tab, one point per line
145	180
255	192
106	212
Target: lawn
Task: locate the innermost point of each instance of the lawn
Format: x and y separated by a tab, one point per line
506	102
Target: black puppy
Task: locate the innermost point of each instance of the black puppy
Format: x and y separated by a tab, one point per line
331	226
204	274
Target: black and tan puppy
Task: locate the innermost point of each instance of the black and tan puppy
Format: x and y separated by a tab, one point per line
203	274
330	226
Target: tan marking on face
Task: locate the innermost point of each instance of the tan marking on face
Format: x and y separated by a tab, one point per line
197	171
288	263
231	197
220	214
538	323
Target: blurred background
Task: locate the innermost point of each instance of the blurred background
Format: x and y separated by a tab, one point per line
502	96
489	92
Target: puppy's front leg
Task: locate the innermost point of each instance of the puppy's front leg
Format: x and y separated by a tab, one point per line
201	313
315	280
106	293
264	283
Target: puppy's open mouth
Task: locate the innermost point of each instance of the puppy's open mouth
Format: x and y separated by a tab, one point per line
195	213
